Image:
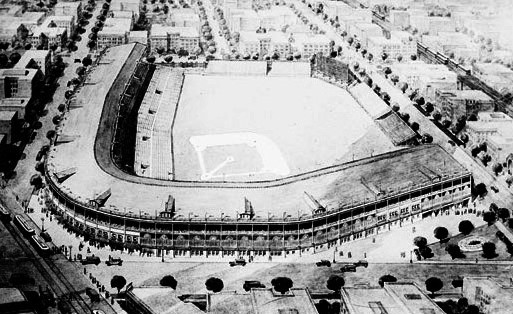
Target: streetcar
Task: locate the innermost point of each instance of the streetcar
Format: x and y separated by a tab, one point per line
5	215
24	226
40	245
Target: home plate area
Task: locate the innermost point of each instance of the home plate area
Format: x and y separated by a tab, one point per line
238	156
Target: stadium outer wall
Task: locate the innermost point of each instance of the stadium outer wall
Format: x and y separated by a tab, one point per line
256	236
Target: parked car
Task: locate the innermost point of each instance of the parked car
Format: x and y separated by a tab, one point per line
323	262
46	236
362	262
114	261
250	284
237	262
348	268
78	61
495	189
91	260
93	294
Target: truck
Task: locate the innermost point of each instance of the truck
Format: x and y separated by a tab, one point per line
348	268
114	261
250	284
237	262
91	260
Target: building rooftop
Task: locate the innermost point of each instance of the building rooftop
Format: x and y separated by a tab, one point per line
396	298
122	14
61	18
466	94
162	300
30	55
27	74
369	101
67	5
262	300
163	30
7	115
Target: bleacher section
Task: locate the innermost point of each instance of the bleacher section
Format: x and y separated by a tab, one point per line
237	68
153	152
290	69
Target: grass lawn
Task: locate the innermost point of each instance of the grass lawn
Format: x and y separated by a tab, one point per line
485	231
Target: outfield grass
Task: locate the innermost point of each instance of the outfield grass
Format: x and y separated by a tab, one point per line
314	124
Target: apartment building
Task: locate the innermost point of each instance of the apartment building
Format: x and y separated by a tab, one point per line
455	104
169	37
363	31
114	32
18	88
48	36
35	59
68	8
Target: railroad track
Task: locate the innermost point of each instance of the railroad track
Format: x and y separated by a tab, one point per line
58	282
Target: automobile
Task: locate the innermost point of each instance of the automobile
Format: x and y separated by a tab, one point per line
348	268
46	236
323	262
250	284
91	260
238	261
192	58
494	188
114	261
362	262
77	61
93	294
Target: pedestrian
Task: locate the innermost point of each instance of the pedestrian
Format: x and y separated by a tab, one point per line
476	260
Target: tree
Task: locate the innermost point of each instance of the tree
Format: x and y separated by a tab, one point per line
80	71
151	59
168	281
61	108
489	217
160	50
91	44
323	306
437	116
387	71
446	123
36	181
413	57
493	208
503	214
117	282
335	283
509	181
386	278
441	233
465	227
497	168
4	60
427	138
168	58
420	241
415	126
14	58
454	250
87	61
489	250
404	87
434	284
282	284
429	107
384	56
214	284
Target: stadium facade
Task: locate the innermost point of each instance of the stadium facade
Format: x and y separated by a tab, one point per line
362	197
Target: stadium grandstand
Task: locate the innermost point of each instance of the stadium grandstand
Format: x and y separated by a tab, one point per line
237	68
153	152
296	69
303	213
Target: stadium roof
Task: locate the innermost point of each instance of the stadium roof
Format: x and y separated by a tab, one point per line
395	128
333	187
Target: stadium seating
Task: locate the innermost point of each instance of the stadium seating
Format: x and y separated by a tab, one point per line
153	154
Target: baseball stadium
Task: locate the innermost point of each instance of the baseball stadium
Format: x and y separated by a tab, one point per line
239	157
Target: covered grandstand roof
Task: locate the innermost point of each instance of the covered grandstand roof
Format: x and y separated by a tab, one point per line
369	101
395	128
290	69
237	67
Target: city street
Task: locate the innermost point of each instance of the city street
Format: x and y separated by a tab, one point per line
221	44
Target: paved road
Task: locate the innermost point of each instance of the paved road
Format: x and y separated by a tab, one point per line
221	43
